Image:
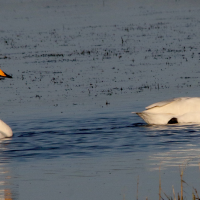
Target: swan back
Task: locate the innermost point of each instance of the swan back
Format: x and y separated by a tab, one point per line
178	110
5	130
177	106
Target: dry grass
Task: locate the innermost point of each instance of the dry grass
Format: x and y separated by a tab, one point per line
137	187
195	195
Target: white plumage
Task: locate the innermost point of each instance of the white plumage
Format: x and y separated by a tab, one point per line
178	110
5	130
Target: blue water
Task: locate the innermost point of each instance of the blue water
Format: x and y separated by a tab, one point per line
103	134
96	59
102	150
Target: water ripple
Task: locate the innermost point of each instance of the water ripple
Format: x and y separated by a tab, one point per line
44	139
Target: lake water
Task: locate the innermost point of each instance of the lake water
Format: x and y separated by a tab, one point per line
79	69
95	157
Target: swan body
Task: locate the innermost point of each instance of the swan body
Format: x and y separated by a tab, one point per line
5	130
178	110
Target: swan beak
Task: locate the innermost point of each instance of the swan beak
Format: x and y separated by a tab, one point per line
4	75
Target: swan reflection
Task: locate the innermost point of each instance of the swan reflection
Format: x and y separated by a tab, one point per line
6	194
187	126
5	191
185	151
5	175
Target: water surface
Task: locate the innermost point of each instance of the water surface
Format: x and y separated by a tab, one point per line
79	69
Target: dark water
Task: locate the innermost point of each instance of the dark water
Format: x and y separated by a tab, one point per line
94	152
103	134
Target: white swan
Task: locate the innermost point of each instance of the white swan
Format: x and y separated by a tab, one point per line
178	110
5	130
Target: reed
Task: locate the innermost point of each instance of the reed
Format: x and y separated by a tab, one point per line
181	175
137	187
160	185
195	195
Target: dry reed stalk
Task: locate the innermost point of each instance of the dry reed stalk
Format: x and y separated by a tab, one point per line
159	185
196	192
193	196
199	166
174	192
181	183
166	195
137	187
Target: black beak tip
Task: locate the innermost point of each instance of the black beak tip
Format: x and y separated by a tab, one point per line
8	76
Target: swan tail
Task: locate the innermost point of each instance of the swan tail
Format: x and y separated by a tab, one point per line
155	118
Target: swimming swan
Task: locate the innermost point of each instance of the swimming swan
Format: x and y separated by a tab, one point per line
178	110
5	130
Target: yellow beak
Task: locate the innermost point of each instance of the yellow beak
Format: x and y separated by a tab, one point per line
4	75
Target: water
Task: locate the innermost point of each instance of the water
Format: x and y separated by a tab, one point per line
101	135
79	69
101	151
97	135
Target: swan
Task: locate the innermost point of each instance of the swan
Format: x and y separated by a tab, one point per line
177	110
5	130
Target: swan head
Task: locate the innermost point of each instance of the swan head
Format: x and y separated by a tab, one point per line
4	75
